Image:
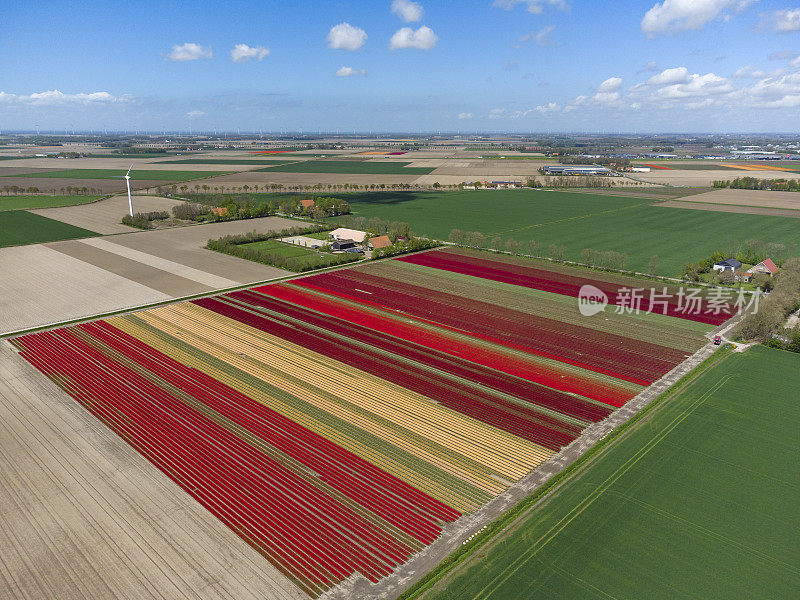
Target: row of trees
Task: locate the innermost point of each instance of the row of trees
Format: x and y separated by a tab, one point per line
205	188
754	183
248	206
15	190
776	307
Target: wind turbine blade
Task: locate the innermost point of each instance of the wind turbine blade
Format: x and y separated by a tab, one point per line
129	171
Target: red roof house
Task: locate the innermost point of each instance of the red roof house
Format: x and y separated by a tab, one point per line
765	266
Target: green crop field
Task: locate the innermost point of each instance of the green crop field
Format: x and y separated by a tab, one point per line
698	500
577	221
141	175
223	161
18	227
351	167
35	201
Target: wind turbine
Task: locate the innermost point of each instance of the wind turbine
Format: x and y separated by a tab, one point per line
127	178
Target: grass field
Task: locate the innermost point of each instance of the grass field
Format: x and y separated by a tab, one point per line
18	227
698	501
38	201
577	221
298	254
223	161
355	167
138	174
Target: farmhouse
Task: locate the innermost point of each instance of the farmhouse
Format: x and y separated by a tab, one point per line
307	203
353	235
576	170
507	185
765	266
729	264
381	241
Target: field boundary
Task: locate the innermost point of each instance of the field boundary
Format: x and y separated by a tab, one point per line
480	528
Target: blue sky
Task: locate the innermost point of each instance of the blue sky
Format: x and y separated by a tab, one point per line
505	65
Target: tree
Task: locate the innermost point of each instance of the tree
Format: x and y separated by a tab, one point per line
513	245
496	243
534	247
652	267
588	256
457	236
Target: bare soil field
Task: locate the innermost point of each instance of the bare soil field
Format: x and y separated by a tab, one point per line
105	216
70	280
706	178
86	516
759	198
742	210
41	286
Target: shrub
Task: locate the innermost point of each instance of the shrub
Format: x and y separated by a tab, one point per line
144	220
188	211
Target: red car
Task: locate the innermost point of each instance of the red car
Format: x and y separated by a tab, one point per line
717	340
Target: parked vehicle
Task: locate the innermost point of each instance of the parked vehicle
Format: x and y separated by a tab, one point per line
717	340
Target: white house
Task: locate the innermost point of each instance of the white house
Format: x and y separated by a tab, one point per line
343	233
729	264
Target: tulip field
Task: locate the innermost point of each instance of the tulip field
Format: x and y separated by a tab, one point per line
339	422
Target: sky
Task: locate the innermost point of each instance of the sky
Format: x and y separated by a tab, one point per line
402	66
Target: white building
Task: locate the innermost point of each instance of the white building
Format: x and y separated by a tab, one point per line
343	233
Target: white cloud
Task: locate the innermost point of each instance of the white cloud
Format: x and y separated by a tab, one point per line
671	16
550	107
532	6
749	72
670	76
782	21
609	85
57	98
350	72
189	51
697	85
540	38
497	113
465	115
407	10
346	37
194	114
243	52
423	38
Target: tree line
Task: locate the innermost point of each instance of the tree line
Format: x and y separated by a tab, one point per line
755	183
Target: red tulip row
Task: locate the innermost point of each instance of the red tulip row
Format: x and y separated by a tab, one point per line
441	341
528	391
313	538
560	283
631	360
527	423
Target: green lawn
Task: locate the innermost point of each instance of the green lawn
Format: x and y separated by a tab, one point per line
578	221
18	227
223	161
699	500
35	201
355	167
299	256
136	174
